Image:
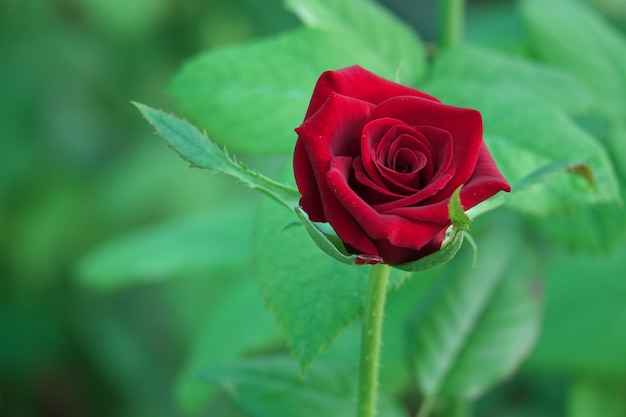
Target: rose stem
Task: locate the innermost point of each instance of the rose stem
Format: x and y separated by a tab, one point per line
450	17
371	340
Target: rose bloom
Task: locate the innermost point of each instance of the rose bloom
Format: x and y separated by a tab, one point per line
379	161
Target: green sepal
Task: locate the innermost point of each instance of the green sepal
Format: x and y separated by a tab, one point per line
539	176
329	242
449	248
457	215
460	223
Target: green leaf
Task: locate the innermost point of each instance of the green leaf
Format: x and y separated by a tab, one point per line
274	387
572	36
594	230
237	307
474	64
525	134
599	229
496	26
251	97
477	325
589	396
542	175
216	239
313	296
585	309
196	148
326	240
370	26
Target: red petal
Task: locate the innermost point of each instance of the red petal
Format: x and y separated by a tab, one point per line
328	133
397	230
464	125
341	216
361	84
485	182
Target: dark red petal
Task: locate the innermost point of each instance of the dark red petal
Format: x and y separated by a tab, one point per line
361	84
344	218
379	140
443	142
397	255
328	133
406	155
446	171
397	230
372	134
464	125
337	124
413	144
370	191
485	182
307	184
436	213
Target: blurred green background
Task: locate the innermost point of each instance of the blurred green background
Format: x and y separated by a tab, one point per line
79	167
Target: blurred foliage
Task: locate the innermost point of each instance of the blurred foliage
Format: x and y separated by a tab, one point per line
79	168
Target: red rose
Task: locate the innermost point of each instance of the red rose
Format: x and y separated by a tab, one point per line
379	161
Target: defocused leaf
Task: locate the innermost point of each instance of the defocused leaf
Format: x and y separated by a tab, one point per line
274	387
540	176
585	310
489	67
123	19
117	352
196	148
218	238
372	27
495	25
251	97
597	397
572	36
477	325
596	229
221	338
525	134
31	338
313	296
616	144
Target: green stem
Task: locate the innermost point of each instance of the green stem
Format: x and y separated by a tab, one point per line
451	14
371	340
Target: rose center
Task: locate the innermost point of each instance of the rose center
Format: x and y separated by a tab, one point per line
406	161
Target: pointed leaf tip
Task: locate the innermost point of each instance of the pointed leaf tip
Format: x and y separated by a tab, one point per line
196	148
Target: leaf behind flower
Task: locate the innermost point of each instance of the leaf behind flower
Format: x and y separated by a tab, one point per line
526	134
476	325
372	27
